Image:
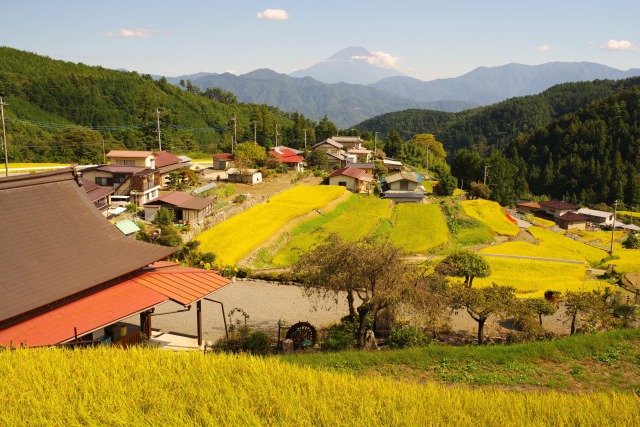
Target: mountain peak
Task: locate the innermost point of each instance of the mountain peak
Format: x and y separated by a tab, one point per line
355	65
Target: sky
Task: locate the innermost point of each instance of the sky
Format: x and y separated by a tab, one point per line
424	39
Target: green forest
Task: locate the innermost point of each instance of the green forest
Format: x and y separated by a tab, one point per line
60	111
577	141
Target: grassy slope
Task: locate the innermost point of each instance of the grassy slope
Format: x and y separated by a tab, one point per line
107	386
605	361
419	228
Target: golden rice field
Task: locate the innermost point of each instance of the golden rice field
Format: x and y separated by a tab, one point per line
532	278
628	260
541	221
233	239
630	213
136	387
531	250
558	242
491	214
357	221
419	228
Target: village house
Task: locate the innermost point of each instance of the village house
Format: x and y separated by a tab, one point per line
403	187
528	208
80	282
355	180
557	208
572	221
334	150
352	147
185	207
99	196
596	217
288	157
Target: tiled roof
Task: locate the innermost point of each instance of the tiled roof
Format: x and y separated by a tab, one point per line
120	168
328	141
164	158
63	246
181	284
401	176
347	139
180	199
352	173
532	205
92	312
94	191
573	217
558	204
129	154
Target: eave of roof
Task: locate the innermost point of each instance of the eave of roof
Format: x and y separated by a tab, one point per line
125	154
87	314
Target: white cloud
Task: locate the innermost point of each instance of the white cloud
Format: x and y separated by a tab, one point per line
379	59
137	32
273	15
543	48
618	45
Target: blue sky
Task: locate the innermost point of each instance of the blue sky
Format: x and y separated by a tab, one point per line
424	39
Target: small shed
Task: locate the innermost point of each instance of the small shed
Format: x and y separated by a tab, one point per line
185	207
244	176
356	180
222	161
127	227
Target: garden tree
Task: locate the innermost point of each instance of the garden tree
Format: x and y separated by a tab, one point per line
481	303
379	169
631	242
325	129
163	217
590	307
190	256
247	155
479	191
430	298
318	159
447	184
372	271
541	307
465	264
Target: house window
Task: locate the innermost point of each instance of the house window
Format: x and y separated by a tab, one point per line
404	185
104	181
342	183
125	162
119	179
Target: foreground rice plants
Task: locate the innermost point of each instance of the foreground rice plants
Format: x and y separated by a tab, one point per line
133	387
419	228
491	214
236	237
626	261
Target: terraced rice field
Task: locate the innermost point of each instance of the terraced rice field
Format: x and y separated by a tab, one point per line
358	218
491	214
559	243
233	239
418	228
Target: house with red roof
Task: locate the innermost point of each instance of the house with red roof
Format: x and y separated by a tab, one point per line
557	208
222	161
286	156
354	179
572	221
80	282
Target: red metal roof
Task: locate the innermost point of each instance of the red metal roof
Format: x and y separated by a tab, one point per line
225	157
181	284
353	173
129	154
180	199
558	204
532	205
573	217
87	314
286	155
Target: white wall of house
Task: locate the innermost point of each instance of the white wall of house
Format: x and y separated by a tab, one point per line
344	181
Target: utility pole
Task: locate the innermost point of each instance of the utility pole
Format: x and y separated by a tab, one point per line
613	227
485	174
276	135
375	143
104	157
4	139
427	162
305	138
234	141
255	133
158	129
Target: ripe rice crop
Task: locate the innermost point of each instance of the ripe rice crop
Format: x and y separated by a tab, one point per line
419	228
107	386
541	221
628	260
491	214
558	242
532	278
357	220
630	213
531	250
233	239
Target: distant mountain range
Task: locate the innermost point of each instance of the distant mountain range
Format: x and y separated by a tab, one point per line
349	87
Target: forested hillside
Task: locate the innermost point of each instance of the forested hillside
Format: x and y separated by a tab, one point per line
61	112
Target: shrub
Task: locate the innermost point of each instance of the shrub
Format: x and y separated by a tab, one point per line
131	208
632	242
341	336
408	336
